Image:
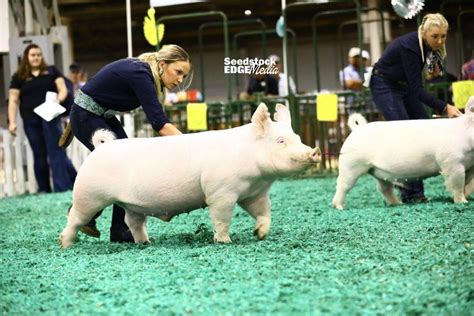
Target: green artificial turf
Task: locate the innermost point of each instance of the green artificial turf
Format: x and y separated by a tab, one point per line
368	260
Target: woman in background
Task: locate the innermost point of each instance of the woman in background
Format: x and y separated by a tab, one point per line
28	90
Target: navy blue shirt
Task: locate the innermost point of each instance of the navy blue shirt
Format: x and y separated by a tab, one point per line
124	85
402	61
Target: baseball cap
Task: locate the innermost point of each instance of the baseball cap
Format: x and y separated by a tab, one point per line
354	51
275	58
365	54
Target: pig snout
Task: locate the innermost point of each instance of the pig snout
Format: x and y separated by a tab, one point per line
315	155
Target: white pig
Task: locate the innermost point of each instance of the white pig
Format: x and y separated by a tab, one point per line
167	176
399	151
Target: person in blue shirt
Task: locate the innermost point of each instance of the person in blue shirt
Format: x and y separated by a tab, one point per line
122	86
396	83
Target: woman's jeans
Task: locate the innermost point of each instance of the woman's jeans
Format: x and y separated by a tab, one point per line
43	137
396	103
83	125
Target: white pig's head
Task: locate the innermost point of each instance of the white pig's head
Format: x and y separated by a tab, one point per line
279	150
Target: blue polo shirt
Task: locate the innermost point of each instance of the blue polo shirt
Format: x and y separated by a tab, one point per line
402	61
124	85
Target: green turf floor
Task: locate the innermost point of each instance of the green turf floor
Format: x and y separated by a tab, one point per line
367	260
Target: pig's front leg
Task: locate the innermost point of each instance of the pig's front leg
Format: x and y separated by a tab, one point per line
469	188
454	179
220	210
259	209
137	224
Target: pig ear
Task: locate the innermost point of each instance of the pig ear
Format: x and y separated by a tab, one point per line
261	119
282	114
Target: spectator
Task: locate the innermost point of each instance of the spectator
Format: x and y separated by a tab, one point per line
350	76
27	91
467	69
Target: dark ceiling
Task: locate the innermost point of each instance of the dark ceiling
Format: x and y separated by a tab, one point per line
98	27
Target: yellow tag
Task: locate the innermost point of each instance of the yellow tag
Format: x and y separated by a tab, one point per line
326	107
462	91
197	116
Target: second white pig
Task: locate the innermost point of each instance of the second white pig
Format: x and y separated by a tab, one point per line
399	151
166	176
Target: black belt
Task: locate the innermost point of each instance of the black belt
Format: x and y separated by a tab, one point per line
376	72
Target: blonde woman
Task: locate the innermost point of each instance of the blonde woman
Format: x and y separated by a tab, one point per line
122	86
396	82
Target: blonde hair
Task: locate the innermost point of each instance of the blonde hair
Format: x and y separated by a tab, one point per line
169	54
429	20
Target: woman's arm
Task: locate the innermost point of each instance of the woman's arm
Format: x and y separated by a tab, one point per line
169	129
61	87
13	102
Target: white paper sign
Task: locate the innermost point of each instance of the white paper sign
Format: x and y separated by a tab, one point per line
50	108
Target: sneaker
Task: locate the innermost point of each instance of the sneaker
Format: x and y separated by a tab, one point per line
121	235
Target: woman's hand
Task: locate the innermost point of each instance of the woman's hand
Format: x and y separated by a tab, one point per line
12	128
452	111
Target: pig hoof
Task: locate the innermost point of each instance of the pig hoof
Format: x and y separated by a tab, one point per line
165	218
63	243
260	231
225	240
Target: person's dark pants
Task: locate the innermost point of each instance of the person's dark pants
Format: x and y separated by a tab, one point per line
83	125
43	137
396	103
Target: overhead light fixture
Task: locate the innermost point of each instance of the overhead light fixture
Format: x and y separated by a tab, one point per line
407	9
248	12
165	3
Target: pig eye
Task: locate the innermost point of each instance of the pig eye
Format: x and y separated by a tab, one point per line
280	140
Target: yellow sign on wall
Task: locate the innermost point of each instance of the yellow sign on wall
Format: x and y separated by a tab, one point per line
462	91
326	107
197	116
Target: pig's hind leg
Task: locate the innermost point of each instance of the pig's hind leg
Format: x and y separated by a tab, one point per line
259	209
348	175
78	216
137	224
386	188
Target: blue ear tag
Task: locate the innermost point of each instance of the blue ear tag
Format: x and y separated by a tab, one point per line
280	26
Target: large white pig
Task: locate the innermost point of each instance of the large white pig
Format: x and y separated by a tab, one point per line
399	151
166	176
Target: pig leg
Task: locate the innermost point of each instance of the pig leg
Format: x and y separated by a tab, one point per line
454	179
259	209
220	211
386	188
348	175
78	216
137	224
469	188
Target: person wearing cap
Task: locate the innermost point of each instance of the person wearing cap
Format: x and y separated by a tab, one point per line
350	76
76	76
396	82
271	84
282	78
